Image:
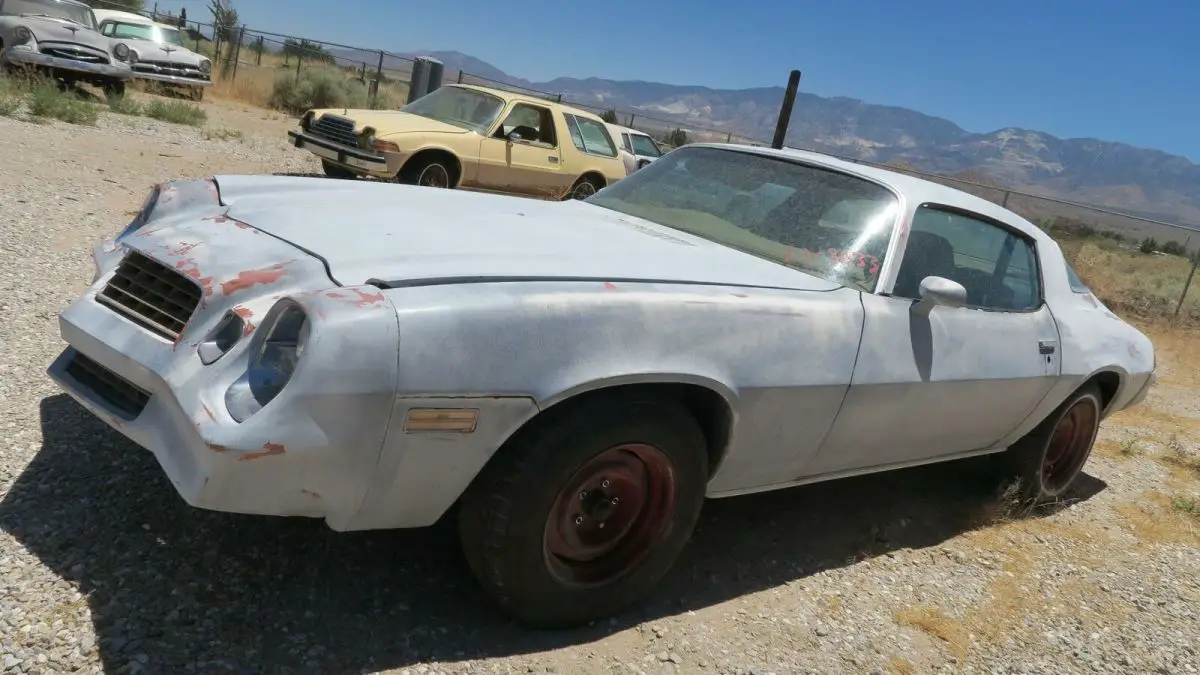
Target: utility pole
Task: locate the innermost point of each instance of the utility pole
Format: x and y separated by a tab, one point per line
785	110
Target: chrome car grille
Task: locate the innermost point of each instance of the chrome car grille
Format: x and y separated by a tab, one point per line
151	295
336	128
168	68
109	386
74	52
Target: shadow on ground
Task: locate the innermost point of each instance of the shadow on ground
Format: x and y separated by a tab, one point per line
225	593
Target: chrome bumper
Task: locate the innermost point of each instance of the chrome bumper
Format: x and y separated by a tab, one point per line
351	157
31	58
171	79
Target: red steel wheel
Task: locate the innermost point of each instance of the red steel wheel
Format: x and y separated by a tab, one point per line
1070	445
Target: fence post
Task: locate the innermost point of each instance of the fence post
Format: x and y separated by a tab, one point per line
237	51
729	137
299	60
460	75
1187	284
1004	202
258	61
378	80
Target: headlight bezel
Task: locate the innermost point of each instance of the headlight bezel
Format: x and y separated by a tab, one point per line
276	356
23	34
205	66
121	51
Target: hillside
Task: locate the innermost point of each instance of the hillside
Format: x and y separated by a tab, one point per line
1120	176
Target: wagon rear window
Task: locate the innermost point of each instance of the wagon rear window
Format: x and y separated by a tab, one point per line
827	223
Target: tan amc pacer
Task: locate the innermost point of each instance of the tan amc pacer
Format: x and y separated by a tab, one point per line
464	136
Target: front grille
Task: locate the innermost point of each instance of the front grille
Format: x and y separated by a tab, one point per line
109	386
336	128
151	295
75	53
168	68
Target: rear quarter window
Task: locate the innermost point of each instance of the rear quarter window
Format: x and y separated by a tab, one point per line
1076	283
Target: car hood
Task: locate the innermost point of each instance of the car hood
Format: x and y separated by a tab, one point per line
149	50
405	234
45	29
388	122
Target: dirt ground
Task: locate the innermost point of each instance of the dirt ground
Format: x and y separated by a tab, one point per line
104	569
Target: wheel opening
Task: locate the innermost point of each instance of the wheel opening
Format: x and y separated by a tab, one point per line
450	161
1109	383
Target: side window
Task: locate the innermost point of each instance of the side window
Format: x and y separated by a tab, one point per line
107	29
625	142
997	267
1075	282
590	137
534	123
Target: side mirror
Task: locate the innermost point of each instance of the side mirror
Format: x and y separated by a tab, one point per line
940	291
514	135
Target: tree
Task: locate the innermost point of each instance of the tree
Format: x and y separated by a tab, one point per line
1149	245
676	138
306	51
610	116
225	19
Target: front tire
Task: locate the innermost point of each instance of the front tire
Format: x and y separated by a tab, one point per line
432	172
582	515
585	187
1049	459
114	89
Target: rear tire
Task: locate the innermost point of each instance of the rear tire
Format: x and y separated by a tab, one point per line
583	188
431	171
1049	459
114	89
532	523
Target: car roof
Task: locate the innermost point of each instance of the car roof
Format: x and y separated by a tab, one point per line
102	14
528	98
915	190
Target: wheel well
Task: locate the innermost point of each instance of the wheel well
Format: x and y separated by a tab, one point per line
594	177
1109	382
455	165
709	409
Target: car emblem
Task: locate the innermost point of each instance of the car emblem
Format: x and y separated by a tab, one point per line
168	49
73	29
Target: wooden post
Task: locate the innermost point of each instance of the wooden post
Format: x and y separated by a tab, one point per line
1187	284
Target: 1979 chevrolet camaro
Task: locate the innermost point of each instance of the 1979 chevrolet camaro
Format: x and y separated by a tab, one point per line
575	378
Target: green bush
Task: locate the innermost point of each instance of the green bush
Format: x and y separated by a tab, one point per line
124	105
317	88
177	112
11	97
47	101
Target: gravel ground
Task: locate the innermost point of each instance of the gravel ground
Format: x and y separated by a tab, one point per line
104	569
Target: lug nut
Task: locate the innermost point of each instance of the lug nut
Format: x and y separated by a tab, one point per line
616	500
583	495
578	520
605	483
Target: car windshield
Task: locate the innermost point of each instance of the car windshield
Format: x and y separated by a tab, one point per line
52	8
830	224
143	31
644	145
464	108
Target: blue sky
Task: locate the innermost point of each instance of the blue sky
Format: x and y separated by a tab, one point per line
1121	70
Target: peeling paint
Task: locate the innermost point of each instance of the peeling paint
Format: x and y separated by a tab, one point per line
251	278
182	250
268	450
217	448
188	266
311	493
610	286
364	298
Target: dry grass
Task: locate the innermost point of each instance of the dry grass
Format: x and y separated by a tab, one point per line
900	666
1157	518
1145	285
932	621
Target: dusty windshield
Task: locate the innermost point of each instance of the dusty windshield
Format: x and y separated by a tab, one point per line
465	108
644	145
829	224
143	31
59	10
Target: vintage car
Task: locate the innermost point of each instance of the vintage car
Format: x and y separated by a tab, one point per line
160	55
637	147
58	38
570	380
464	136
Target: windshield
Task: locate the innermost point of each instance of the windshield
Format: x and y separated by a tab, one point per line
142	31
824	222
59	10
644	145
464	108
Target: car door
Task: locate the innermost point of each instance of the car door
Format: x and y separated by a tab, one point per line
531	164
950	380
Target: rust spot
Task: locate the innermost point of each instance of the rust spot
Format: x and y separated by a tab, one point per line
251	278
181	250
208	411
243	226
268	450
219	449
610	286
362	300
310	493
217	219
188	267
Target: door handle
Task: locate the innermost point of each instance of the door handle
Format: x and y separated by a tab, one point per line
1047	347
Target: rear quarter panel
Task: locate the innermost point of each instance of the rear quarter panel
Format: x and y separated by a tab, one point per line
780	359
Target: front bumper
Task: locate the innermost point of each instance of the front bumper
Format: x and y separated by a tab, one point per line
171	79
353	158
29	57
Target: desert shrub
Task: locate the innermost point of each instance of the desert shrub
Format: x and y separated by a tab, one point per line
317	88
47	101
177	112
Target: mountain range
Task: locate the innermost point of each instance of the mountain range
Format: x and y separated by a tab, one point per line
1116	175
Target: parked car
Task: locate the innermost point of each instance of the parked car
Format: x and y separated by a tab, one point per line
160	54
58	38
638	146
464	136
570	381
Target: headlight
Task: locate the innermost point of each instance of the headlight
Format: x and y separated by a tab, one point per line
143	213
272	364
205	66
121	51
23	34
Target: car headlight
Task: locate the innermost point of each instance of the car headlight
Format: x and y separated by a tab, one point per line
121	51
205	66
23	34
282	340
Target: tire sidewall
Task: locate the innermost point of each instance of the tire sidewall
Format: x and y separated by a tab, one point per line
523	572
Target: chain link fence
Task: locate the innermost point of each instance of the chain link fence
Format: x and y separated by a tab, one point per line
1136	263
